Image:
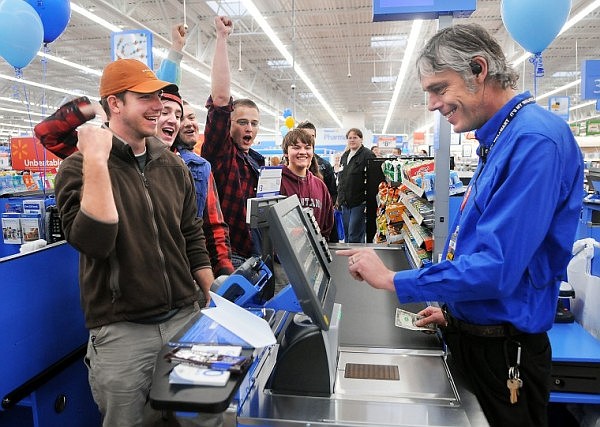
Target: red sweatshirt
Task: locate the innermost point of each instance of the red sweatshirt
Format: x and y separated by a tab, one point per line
313	194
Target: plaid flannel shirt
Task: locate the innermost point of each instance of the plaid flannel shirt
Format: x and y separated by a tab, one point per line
236	175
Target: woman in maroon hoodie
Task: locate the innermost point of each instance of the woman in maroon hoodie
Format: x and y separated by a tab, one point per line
297	179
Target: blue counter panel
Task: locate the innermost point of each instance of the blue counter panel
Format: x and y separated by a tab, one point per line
40	313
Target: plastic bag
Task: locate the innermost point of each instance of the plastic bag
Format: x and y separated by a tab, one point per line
587	286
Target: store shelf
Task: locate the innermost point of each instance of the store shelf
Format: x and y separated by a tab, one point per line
414	212
453	192
417	261
413	187
420	234
414	231
414	251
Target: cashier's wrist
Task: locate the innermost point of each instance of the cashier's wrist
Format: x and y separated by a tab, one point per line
446	316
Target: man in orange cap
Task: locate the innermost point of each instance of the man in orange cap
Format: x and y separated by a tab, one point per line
128	205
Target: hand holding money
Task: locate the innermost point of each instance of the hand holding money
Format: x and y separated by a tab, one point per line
406	320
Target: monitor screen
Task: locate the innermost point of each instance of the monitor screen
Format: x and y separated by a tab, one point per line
298	246
593	181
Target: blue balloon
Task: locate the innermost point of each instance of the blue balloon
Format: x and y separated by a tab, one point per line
534	24
55	16
287	113
21	32
284	130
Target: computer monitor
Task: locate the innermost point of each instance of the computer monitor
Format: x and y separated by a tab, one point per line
298	245
593	180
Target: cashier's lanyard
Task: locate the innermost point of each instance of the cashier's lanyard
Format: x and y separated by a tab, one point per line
485	152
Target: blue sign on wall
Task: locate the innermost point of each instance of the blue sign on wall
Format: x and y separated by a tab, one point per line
404	10
590	79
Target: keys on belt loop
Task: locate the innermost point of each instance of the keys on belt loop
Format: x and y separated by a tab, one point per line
514	382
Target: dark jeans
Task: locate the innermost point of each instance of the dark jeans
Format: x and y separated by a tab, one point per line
355	223
483	363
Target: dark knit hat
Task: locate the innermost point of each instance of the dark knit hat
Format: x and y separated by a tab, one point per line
171	93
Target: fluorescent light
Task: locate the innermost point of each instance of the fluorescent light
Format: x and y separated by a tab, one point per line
43	86
258	17
70	64
93	17
388	41
586	118
10	110
413	39
16	126
559	89
383	79
582	105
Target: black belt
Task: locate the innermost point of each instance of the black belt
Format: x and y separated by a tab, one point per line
486	331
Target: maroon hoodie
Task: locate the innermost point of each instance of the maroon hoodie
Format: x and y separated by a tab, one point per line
313	194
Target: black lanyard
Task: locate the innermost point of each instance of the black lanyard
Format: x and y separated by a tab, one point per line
485	151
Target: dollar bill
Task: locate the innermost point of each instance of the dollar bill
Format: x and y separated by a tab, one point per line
406	320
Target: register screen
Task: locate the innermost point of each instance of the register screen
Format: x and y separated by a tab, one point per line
305	251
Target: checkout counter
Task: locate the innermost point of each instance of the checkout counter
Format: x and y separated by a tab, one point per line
425	391
366	370
357	369
43	380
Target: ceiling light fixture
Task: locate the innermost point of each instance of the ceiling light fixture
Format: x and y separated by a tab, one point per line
259	18
43	86
93	17
70	64
559	89
413	39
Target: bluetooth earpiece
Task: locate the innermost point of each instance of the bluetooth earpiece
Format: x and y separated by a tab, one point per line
475	67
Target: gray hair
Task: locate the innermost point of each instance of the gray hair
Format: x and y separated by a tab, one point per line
453	48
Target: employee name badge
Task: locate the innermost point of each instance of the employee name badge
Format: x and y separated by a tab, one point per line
452	245
269	181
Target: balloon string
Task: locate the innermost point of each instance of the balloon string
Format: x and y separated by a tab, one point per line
44	74
184	14
43	110
19	75
538	70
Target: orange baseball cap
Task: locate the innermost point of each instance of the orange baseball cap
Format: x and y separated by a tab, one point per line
129	74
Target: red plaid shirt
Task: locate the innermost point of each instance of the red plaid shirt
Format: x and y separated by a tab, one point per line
58	133
216	232
236	174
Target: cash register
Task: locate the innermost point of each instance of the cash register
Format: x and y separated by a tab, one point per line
309	325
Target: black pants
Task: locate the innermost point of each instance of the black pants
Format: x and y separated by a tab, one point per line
484	363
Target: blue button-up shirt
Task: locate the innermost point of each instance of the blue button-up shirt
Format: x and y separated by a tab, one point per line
516	228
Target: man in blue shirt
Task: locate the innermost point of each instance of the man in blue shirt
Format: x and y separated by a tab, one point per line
511	242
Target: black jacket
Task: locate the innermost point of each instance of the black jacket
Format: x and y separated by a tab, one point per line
352	186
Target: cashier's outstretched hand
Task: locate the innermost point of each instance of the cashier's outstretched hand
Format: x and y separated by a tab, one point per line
364	264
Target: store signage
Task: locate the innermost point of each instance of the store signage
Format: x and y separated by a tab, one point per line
27	154
560	105
407	10
132	44
418	138
386	141
590	79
